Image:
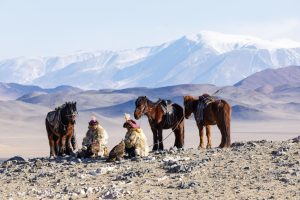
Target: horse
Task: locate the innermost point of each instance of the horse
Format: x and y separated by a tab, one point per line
159	119
217	112
60	129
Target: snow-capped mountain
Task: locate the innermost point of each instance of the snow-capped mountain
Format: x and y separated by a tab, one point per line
207	57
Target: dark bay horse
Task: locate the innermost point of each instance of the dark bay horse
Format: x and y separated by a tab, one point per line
215	113
60	128
159	120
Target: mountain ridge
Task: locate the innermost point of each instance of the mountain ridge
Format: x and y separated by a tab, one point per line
207	57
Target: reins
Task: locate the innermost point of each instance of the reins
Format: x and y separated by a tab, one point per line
177	124
170	132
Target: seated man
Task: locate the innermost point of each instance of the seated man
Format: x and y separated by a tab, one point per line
135	140
94	143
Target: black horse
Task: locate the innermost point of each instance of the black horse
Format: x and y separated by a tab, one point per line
161	115
60	128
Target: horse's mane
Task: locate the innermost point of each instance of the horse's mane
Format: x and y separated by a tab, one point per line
177	106
158	101
63	105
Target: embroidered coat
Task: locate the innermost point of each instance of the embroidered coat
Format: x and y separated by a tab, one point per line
96	140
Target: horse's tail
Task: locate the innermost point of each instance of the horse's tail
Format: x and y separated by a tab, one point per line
180	124
50	137
48	129
225	117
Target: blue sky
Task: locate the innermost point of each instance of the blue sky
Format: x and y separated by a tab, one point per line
55	27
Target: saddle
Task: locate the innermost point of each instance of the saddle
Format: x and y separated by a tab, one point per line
169	111
53	118
167	106
204	101
207	99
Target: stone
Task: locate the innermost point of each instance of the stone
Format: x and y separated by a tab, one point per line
89	190
188	185
93	173
38	163
17	159
81	192
73	196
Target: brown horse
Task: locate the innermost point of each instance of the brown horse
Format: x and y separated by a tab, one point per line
217	112
159	120
60	128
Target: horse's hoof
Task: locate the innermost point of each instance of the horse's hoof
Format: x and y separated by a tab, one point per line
181	149
63	155
208	146
71	153
200	147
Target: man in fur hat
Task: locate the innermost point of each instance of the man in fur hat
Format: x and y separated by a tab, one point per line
94	143
135	140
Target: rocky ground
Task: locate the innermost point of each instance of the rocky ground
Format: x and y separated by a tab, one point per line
248	170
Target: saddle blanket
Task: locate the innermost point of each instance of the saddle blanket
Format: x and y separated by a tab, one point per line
204	101
53	118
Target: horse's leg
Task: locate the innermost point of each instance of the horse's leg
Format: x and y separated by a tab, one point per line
226	125
160	144
58	146
51	144
176	137
56	150
73	140
201	135
208	135
69	150
69	137
179	135
155	139
63	145
51	140
228	139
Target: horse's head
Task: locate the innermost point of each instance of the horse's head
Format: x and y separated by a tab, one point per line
140	107
70	111
188	106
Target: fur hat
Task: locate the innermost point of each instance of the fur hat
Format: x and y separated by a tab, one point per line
93	121
129	122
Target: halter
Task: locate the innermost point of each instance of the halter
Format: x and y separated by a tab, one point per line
76	113
189	106
145	106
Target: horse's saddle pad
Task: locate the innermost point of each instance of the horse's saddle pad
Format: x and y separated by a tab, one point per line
167	106
207	99
53	117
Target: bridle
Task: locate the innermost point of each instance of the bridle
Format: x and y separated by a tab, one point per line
144	108
70	116
187	105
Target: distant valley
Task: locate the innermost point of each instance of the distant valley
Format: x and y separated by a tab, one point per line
274	113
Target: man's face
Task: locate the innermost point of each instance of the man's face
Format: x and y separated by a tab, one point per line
94	127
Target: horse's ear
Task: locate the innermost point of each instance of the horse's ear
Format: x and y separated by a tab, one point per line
186	98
